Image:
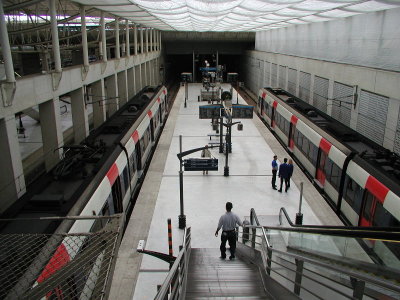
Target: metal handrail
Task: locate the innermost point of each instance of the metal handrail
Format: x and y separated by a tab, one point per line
358	279
174	284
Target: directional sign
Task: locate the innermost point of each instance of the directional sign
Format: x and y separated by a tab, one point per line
210	111
242	112
200	164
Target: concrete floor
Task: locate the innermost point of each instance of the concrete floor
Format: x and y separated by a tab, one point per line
136	275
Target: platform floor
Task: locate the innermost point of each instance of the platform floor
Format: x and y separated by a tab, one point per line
136	275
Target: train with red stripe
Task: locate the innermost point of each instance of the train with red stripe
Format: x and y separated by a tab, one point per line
99	176
359	179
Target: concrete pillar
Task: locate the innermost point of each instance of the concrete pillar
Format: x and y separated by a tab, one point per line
112	95
12	181
156	35
131	82
5	47
99	105
128	46
146	47
151	40
79	115
117	45
122	87
103	37
160	42
52	134
135	39
138	85
141	41
84	37
54	36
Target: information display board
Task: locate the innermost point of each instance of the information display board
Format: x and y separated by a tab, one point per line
210	111
201	164
242	112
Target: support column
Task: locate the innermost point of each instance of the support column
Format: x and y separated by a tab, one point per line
52	134
103	38
12	181
99	105
117	45
5	47
151	40
142	76
156	34
141	40
80	122
84	38
122	87
128	46
147	41
112	95
131	82
160	41
138	86
54	36
135	40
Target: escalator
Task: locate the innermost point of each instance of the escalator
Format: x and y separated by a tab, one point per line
290	262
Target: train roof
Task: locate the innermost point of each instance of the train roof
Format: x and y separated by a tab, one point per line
57	191
378	160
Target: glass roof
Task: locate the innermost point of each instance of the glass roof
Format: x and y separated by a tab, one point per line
235	15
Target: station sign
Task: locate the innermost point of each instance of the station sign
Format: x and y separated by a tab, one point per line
242	111
212	111
201	164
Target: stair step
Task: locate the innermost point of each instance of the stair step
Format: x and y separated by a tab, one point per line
198	297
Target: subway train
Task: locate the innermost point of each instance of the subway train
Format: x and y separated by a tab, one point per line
359	179
97	177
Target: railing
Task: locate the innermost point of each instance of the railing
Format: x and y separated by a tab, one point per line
174	286
316	267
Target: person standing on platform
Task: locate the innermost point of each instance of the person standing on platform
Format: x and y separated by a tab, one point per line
228	222
290	166
274	171
206	153
284	175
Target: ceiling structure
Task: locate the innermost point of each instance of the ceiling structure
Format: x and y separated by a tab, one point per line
234	15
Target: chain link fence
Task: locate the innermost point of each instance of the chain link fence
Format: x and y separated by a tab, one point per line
60	265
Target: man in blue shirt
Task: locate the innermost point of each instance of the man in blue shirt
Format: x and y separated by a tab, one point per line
274	171
284	175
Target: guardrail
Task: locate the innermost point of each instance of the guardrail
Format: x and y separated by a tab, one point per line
174	286
316	275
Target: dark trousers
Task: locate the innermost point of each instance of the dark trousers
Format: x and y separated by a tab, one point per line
287	183
273	181
229	236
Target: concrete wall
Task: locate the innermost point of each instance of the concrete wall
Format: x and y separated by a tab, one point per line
384	83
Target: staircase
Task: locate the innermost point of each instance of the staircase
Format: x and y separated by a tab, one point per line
212	277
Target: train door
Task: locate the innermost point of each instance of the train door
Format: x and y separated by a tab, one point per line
117	196
152	129
292	130
273	117
261	105
368	209
322	158
138	156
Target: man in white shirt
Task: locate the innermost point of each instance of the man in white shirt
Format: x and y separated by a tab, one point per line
228	223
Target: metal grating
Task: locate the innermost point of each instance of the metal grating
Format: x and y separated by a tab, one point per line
304	86
282	77
372	116
292	81
343	97
62	265
274	75
396	147
267	74
320	99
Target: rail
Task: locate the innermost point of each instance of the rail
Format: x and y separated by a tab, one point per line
312	274
174	286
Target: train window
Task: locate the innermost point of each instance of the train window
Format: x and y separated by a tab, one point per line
117	196
328	169
299	140
126	180
335	177
368	206
132	165
305	147
144	141
313	154
383	218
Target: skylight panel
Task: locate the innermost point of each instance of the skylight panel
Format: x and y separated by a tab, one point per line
338	13
315	5
292	12
212	6
314	18
263	6
370	6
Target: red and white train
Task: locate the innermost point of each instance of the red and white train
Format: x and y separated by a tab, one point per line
123	146
360	179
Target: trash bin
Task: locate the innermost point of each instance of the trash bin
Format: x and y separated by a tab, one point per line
246	231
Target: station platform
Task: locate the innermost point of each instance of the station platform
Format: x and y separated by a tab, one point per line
136	275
